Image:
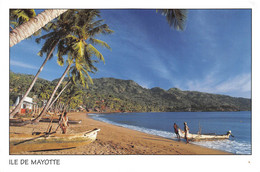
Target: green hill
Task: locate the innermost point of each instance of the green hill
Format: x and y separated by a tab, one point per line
158	99
110	94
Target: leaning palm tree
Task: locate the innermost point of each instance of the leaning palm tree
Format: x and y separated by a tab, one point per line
62	90
72	97
60	28
175	18
20	16
17	108
26	29
48	48
79	74
79	46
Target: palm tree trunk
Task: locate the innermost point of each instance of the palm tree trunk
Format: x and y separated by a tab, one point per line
28	28
59	94
64	108
17	108
38	118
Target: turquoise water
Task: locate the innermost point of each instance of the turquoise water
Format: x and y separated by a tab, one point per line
161	124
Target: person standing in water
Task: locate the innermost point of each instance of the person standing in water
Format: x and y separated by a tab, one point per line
186	130
176	130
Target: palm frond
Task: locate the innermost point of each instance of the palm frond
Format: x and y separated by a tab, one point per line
99	42
102	29
175	18
79	48
95	52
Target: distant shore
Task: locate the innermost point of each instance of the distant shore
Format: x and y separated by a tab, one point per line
115	140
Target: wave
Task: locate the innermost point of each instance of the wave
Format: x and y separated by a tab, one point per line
228	146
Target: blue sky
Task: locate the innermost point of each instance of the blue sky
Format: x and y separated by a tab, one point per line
213	53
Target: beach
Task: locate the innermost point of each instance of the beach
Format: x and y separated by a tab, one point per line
115	140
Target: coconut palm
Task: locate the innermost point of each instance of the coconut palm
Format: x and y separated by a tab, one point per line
47	48
79	46
56	98
72	97
17	108
20	16
26	29
60	29
79	73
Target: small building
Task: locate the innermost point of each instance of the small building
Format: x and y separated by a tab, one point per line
27	103
80	108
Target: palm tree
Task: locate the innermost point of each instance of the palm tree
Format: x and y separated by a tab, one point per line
19	16
17	108
73	96
60	30
56	98
33	25
78	46
79	73
175	18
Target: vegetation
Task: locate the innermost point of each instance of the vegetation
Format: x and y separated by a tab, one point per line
73	33
115	95
77	30
28	27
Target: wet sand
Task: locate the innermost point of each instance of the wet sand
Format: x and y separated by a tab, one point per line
115	140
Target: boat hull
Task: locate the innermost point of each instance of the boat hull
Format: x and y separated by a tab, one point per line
22	143
21	122
198	137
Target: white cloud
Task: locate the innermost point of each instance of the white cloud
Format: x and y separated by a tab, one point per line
144	84
239	86
22	64
239	83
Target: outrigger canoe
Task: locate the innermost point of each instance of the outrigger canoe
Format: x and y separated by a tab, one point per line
198	137
22	143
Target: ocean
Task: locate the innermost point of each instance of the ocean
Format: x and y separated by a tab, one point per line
161	124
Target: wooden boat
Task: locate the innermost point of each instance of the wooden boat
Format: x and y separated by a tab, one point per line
56	120
20	122
198	137
22	143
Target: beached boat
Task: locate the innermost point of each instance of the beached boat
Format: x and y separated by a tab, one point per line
21	122
49	141
198	137
56	120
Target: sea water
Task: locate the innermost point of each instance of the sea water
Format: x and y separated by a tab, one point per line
161	124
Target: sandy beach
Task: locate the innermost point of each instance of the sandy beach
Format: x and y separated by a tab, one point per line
115	140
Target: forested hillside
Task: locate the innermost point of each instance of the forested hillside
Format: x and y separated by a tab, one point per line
109	95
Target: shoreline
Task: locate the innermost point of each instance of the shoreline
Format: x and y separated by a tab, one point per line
116	140
200	150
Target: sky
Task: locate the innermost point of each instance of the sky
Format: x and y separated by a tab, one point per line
212	54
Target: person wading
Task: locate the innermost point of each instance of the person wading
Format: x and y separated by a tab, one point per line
186	130
176	130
